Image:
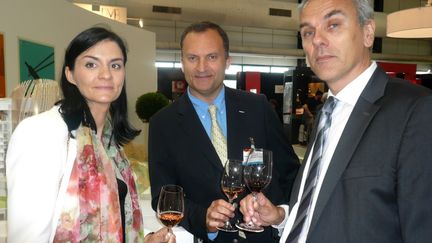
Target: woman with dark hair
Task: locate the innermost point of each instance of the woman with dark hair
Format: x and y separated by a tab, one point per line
68	177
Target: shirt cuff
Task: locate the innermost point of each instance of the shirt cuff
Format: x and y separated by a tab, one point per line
212	235
280	227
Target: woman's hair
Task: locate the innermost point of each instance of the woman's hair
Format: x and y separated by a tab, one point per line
74	108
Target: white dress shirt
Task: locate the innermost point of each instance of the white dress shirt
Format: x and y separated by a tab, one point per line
347	98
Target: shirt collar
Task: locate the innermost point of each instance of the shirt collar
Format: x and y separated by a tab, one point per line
350	93
219	102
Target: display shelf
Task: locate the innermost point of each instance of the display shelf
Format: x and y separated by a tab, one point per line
5	134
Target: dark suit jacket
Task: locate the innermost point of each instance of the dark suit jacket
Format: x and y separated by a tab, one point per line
180	152
378	187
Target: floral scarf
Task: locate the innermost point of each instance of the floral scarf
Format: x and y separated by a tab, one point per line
91	209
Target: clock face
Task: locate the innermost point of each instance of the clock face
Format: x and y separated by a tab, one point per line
36	61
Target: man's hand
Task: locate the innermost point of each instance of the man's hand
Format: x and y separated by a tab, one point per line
163	235
261	211
218	213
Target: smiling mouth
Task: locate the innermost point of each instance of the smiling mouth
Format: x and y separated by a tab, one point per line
203	77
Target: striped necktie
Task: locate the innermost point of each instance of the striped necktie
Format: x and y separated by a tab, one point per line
314	169
217	137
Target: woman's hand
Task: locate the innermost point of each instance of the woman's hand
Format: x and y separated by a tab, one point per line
163	235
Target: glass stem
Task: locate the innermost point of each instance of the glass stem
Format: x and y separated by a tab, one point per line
227	223
254	196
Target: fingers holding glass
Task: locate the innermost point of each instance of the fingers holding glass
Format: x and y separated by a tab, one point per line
232	185
257	174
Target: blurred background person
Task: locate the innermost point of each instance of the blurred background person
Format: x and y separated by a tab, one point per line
309	114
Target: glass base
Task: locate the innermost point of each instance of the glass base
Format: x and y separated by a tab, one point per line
227	228
250	227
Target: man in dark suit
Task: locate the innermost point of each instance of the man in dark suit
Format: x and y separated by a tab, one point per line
373	175
180	139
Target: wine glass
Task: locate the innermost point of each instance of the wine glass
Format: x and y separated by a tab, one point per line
170	207
257	173
232	185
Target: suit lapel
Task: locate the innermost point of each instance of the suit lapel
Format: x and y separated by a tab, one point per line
235	116
188	120
362	114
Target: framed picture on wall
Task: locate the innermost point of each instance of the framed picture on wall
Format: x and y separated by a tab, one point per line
2	68
36	61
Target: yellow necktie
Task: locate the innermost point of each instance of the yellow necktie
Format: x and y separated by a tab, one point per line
217	137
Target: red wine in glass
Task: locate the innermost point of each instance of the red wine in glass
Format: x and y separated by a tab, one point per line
257	173
232	185
170	207
170	218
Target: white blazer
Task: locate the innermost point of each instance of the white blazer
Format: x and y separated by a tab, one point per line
38	164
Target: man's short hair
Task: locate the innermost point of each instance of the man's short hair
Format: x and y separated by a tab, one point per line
202	27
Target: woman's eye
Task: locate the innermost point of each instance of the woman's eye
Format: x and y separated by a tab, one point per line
90	65
116	66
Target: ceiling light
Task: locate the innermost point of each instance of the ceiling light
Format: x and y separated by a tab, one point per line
411	23
424	72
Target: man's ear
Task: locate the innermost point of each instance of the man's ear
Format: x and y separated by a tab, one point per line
369	33
181	66
227	63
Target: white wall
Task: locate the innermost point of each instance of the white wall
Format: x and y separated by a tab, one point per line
55	23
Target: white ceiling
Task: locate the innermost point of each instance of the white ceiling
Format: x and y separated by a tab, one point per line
250	13
246	13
